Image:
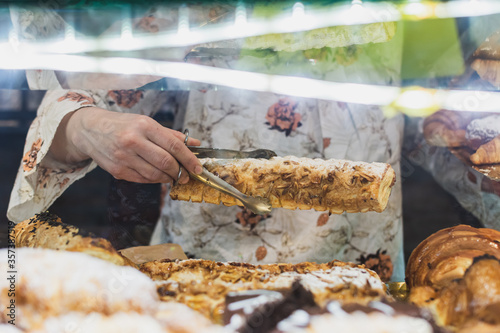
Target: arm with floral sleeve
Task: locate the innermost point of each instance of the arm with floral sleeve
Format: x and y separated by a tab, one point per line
38	184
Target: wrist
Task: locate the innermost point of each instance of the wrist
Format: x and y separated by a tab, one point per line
78	127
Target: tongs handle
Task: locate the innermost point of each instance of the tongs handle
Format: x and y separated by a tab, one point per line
256	205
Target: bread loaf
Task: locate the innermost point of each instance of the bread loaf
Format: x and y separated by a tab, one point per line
46	230
303	183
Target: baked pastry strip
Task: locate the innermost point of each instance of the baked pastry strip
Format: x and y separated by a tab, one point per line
46	230
291	182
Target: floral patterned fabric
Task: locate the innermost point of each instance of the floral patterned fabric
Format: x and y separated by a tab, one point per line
237	119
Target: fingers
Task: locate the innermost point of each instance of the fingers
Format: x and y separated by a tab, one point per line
162	160
173	143
133	168
191	141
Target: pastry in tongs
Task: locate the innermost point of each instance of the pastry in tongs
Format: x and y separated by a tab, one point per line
291	182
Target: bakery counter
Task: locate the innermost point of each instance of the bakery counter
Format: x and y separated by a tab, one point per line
451	285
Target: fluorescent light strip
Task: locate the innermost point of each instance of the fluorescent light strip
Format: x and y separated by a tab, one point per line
460	100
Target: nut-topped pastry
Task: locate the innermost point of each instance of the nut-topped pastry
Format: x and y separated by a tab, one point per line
291	182
204	284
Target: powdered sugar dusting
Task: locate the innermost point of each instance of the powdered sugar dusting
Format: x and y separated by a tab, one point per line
61	278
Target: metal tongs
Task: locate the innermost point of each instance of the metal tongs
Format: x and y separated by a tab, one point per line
257	205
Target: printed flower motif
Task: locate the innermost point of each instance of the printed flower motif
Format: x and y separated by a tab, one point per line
326	142
246	217
322	219
318	54
490	186
64	182
126	98
43	177
147	24
347	55
282	116
380	262
29	159
76	97
261	253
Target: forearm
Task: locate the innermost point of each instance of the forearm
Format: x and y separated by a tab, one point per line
63	147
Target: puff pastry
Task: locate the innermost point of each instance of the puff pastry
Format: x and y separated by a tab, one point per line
454	273
46	230
303	183
204	284
489	153
446	128
447	254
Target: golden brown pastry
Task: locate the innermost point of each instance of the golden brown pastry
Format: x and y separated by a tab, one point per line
204	284
53	283
46	230
447	254
487	59
489	153
488	70
303	183
446	128
475	297
474	326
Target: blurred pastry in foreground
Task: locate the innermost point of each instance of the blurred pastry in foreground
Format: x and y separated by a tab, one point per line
53	283
295	311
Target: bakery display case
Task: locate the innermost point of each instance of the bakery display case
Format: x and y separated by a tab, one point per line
307	121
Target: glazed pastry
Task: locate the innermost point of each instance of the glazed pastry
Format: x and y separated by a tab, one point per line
489	153
46	230
303	183
483	130
447	254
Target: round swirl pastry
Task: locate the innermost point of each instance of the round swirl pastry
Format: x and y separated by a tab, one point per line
447	254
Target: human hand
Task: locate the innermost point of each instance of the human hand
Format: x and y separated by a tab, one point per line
129	146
